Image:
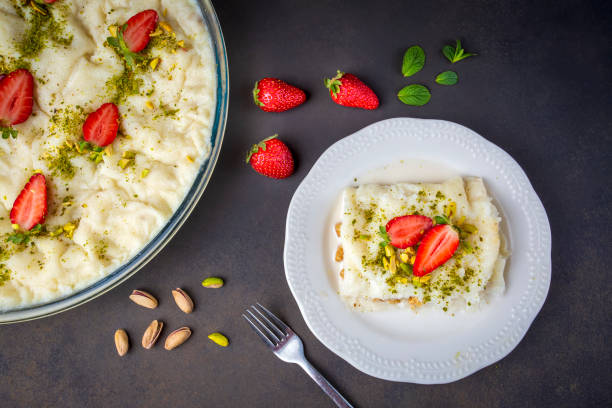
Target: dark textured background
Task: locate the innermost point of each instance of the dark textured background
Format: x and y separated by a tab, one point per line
540	89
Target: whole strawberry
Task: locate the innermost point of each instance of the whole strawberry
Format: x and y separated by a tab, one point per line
348	90
274	95
272	158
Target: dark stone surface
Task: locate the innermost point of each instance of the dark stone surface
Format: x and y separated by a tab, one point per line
540	89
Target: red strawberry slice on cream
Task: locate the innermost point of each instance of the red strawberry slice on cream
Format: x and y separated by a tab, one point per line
16	101
101	126
437	247
407	230
30	207
138	30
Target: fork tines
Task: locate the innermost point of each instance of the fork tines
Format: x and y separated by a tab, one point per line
270	328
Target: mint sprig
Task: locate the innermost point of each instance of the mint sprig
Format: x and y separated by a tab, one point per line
456	54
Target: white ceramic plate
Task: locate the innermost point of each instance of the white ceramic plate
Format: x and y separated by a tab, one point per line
399	345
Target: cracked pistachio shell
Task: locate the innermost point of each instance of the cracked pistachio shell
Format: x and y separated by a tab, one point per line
182	299
177	337
144	299
151	334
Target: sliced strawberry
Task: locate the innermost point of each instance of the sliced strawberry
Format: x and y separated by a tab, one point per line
437	247
30	207
407	230
138	30
16	101
101	126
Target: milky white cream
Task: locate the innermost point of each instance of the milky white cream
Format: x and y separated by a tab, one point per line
474	272
118	204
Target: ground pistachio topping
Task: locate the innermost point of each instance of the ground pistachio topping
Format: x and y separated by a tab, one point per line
5	274
45	25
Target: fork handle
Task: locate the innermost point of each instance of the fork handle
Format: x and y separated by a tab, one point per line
327	388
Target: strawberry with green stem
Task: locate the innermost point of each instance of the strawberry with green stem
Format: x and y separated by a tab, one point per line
133	36
274	95
348	90
16	100
272	158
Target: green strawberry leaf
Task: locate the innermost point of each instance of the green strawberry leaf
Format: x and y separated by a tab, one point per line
415	95
334	83
256	95
447	78
261	145
414	60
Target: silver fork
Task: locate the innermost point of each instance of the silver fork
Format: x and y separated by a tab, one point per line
288	347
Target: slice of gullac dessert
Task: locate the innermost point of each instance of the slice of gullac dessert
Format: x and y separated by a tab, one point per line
411	245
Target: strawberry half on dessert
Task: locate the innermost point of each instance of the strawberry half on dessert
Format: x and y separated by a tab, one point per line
101	126
30	207
138	30
274	95
407	230
16	97
437	247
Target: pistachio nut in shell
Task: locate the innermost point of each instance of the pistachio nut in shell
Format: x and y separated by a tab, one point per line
144	299
212	282
219	339
151	335
177	337
122	343
183	301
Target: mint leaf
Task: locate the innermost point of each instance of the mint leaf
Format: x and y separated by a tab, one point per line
112	41
447	78
414	60
383	233
18	238
415	95
455	54
449	52
8	132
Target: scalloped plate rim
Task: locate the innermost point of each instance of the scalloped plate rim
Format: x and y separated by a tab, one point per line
404	376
